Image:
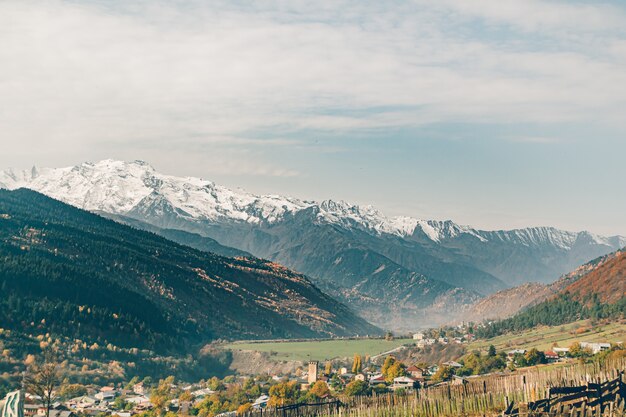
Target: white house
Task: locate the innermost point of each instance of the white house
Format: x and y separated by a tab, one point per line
595	347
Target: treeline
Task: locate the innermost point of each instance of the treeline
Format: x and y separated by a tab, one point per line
563	309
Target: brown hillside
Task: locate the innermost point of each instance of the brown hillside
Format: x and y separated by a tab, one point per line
608	280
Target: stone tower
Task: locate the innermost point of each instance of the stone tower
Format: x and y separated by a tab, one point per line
313	365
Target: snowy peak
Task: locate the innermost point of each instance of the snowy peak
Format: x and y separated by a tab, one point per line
121	187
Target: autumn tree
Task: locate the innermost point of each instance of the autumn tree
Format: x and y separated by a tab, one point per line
244	408
328	369
284	393
42	380
395	370
444	373
357	387
389	360
357	365
320	389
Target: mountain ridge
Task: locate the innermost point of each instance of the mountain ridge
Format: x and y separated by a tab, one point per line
100	276
356	252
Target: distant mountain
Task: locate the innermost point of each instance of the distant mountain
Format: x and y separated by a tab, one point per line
73	273
508	302
399	272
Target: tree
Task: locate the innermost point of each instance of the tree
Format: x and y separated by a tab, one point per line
577	351
394	371
42	380
534	357
244	408
357	366
389	360
444	373
357	387
492	351
69	391
320	389
328	369
284	393
389	336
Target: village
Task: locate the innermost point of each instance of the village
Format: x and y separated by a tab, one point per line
362	376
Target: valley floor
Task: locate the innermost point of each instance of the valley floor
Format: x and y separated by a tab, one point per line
320	350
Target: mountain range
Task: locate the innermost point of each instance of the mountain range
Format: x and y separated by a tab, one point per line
69	272
397	272
604	276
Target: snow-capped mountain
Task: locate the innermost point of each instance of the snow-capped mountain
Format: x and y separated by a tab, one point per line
354	252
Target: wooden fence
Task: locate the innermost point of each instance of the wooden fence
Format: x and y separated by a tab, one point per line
595	399
528	391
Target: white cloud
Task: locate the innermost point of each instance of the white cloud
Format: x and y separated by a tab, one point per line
79	74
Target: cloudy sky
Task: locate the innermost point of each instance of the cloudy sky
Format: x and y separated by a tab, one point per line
494	113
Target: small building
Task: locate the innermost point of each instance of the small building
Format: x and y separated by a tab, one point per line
595	347
139	388
360	377
418	336
551	356
561	351
416	372
260	402
377	379
511	353
106	395
452	364
405	382
313	370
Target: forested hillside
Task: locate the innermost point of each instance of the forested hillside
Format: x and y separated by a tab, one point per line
70	272
599	293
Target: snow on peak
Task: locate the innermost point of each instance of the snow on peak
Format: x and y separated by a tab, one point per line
122	187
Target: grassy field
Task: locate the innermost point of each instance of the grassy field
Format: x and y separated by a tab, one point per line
544	338
322	349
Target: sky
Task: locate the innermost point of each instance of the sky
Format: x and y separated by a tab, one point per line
494	113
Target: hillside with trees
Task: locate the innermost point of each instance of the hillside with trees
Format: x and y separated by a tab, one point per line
599	293
65	271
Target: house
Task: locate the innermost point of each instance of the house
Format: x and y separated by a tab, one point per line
452	364
416	372
138	400
31	409
56	413
432	369
343	370
595	347
418	336
377	379
106	395
260	402
560	351
139	388
82	402
405	382
201	393
551	356
511	353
